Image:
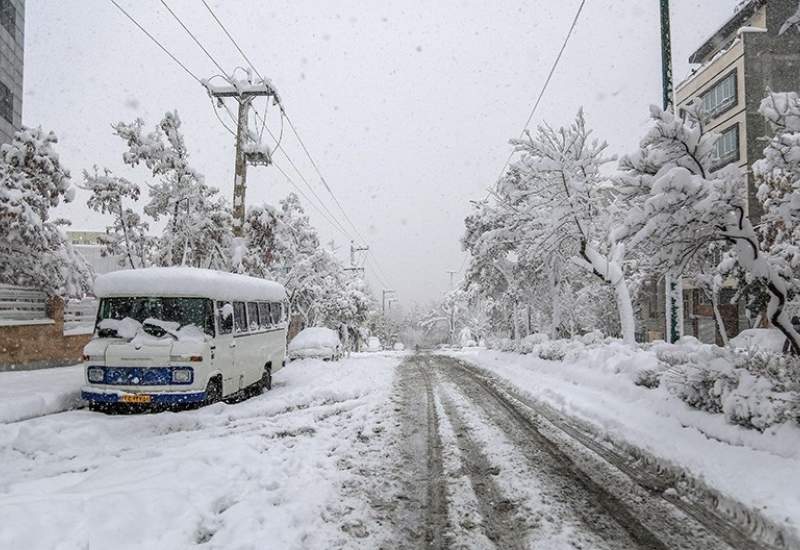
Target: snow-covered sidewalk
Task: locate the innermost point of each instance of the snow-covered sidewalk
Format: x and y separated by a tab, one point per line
759	470
28	394
274	471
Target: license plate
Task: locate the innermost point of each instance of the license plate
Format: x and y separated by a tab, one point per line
135	399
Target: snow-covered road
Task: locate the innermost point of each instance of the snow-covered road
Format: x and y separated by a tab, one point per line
487	471
276	471
376	451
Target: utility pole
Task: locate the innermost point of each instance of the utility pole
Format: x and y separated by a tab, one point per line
353	250
244	92
673	287
452	273
386	291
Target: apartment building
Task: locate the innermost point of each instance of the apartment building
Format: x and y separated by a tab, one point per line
12	39
733	69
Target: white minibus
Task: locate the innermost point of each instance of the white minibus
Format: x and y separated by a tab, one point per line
181	335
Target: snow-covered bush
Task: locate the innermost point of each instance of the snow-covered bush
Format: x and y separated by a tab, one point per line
591	338
505	344
755	389
529	343
557	350
701	387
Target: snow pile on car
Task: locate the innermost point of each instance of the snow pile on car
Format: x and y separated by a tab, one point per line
314	337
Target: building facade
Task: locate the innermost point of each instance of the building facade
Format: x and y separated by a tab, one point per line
747	56
734	68
12	40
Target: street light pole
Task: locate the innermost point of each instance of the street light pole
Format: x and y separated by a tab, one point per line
673	287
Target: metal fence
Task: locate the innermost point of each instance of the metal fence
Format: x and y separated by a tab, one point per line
79	316
20	304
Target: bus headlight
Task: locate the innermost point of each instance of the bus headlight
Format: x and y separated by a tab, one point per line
95	374
182	376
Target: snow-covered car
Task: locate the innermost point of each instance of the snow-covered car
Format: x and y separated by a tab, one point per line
765	339
374	344
316	342
399	346
181	335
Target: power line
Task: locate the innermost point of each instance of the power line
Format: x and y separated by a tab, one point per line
538	101
546	84
159	44
225	30
193	37
336	225
321	177
294	130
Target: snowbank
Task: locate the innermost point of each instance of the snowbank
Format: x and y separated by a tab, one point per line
188	282
28	394
598	387
275	470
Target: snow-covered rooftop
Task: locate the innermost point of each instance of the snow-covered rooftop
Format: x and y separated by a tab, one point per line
188	282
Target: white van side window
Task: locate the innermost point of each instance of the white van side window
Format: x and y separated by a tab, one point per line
263	315
252	316
275	311
239	317
224	317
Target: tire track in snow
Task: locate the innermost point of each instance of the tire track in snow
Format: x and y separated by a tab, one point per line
682	523
421	518
501	524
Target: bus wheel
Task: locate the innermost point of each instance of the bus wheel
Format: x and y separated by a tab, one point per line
266	378
214	391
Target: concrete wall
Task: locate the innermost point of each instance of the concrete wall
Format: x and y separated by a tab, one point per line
40	344
11	68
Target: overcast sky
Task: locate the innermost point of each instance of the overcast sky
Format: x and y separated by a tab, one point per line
407	106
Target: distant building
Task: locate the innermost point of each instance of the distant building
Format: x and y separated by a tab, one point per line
736	66
12	40
88	244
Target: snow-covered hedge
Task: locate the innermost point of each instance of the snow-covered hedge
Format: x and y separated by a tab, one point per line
529	343
755	389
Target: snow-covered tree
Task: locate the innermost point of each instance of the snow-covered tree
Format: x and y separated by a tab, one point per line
281	244
33	250
680	203
127	236
452	312
198	220
554	207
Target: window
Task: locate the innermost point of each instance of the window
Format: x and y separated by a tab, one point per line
181	311
263	314
239	317
6	103
721	97
275	310
252	315
726	149
224	317
8	16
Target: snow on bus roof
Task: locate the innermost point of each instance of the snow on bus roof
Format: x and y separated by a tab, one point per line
188	282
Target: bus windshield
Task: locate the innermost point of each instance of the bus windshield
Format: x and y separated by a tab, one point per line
184	311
